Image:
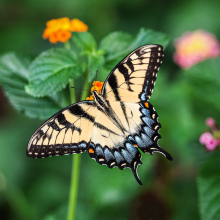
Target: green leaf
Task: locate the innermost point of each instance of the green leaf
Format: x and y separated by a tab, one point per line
85	41
119	44
95	62
115	43
206	71
204	80
50	72
209	188
148	36
13	78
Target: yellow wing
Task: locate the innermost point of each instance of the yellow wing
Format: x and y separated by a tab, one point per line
133	79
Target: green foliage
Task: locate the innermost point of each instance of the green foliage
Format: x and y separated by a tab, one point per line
204	79
50	72
13	78
118	44
209	188
85	41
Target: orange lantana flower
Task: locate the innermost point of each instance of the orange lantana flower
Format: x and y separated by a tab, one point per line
59	30
97	85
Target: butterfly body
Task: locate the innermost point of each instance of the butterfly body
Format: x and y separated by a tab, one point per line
116	124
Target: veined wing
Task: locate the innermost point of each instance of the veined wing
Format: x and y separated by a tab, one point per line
133	79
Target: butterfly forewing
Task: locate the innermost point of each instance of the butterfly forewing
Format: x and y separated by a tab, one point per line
133	79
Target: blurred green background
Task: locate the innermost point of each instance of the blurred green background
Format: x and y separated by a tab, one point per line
39	189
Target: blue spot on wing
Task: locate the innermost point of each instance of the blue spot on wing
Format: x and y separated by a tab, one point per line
118	157
149	122
143	97
99	151
132	150
149	131
128	157
108	154
146	112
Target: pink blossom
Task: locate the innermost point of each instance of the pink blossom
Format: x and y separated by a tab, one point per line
211	123
194	47
211	144
205	138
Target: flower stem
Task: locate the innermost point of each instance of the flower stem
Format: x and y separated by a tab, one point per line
72	91
73	187
85	86
76	159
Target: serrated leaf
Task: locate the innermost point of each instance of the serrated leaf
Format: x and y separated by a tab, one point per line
50	72
148	36
14	64
95	63
209	188
117	52
85	41
115	43
13	78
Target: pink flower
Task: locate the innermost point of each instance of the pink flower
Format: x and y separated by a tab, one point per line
209	141
194	47
211	145
211	123
205	138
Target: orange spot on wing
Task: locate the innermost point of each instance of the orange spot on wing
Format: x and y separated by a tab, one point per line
91	151
146	104
135	145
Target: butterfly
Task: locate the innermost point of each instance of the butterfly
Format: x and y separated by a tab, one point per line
116	125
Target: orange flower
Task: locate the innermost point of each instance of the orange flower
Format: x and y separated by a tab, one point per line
90	97
59	30
77	25
97	85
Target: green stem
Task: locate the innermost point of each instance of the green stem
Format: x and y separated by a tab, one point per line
73	187
67	45
72	91
76	162
85	86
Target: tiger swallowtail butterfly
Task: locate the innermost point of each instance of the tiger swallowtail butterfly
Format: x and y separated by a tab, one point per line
114	126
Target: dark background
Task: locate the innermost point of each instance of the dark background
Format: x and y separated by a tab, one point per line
39	189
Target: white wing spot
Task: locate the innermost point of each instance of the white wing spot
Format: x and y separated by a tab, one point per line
112	164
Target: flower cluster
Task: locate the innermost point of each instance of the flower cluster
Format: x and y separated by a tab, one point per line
97	85
59	30
211	140
194	47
